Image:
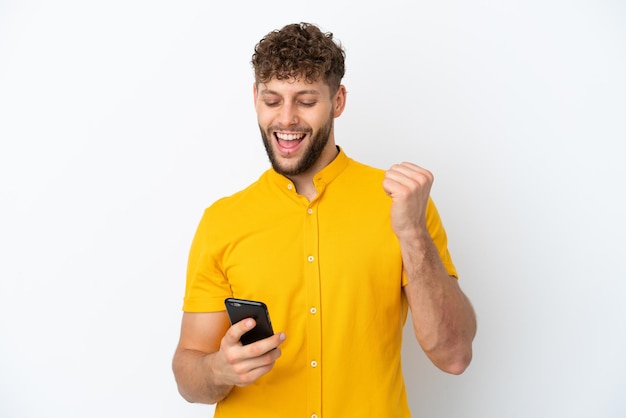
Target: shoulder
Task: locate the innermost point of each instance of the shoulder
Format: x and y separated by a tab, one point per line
357	168
359	176
243	198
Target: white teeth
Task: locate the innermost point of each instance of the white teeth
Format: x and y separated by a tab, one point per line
289	137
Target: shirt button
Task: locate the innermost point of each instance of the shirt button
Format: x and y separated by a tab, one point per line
314	416
314	363
310	258
309	211
313	311
290	186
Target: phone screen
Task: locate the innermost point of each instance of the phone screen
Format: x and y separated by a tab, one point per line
240	309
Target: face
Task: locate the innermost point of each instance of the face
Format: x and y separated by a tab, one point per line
296	123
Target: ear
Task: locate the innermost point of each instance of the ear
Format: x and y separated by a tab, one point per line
339	101
255	92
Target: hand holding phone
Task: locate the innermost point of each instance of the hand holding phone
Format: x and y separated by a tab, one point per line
240	309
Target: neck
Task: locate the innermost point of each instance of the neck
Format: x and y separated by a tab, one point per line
306	189
304	181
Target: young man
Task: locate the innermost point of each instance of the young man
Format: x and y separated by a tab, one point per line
339	251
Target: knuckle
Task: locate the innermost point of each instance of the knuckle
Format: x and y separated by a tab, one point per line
404	192
277	353
230	357
256	350
268	358
246	379
240	370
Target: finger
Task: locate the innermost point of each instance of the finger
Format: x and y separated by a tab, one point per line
261	356
261	347
399	181
406	166
409	171
254	366
409	177
264	363
234	333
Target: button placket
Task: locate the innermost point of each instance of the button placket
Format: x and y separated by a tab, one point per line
313	298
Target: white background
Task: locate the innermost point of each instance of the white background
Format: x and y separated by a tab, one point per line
120	121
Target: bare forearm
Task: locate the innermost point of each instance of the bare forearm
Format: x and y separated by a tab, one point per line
443	318
195	379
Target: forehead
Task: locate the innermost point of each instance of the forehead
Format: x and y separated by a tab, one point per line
292	87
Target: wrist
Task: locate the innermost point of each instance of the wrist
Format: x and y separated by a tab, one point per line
417	237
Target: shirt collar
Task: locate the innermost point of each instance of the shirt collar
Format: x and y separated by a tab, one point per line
323	177
331	171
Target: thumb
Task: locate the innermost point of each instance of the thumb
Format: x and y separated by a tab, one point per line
238	329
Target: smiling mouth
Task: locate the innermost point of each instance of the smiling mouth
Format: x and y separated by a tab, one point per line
289	142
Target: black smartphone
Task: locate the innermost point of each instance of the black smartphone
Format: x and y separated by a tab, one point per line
239	309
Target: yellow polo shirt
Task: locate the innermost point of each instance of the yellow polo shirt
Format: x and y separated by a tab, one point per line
330	272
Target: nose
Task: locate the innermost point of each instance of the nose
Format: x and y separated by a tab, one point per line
288	115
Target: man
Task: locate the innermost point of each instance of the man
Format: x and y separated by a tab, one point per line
339	251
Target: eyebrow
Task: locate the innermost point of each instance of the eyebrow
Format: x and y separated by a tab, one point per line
298	93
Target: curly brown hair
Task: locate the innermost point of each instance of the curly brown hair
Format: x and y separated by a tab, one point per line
299	50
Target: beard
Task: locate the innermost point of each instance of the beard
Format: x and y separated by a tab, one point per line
311	153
